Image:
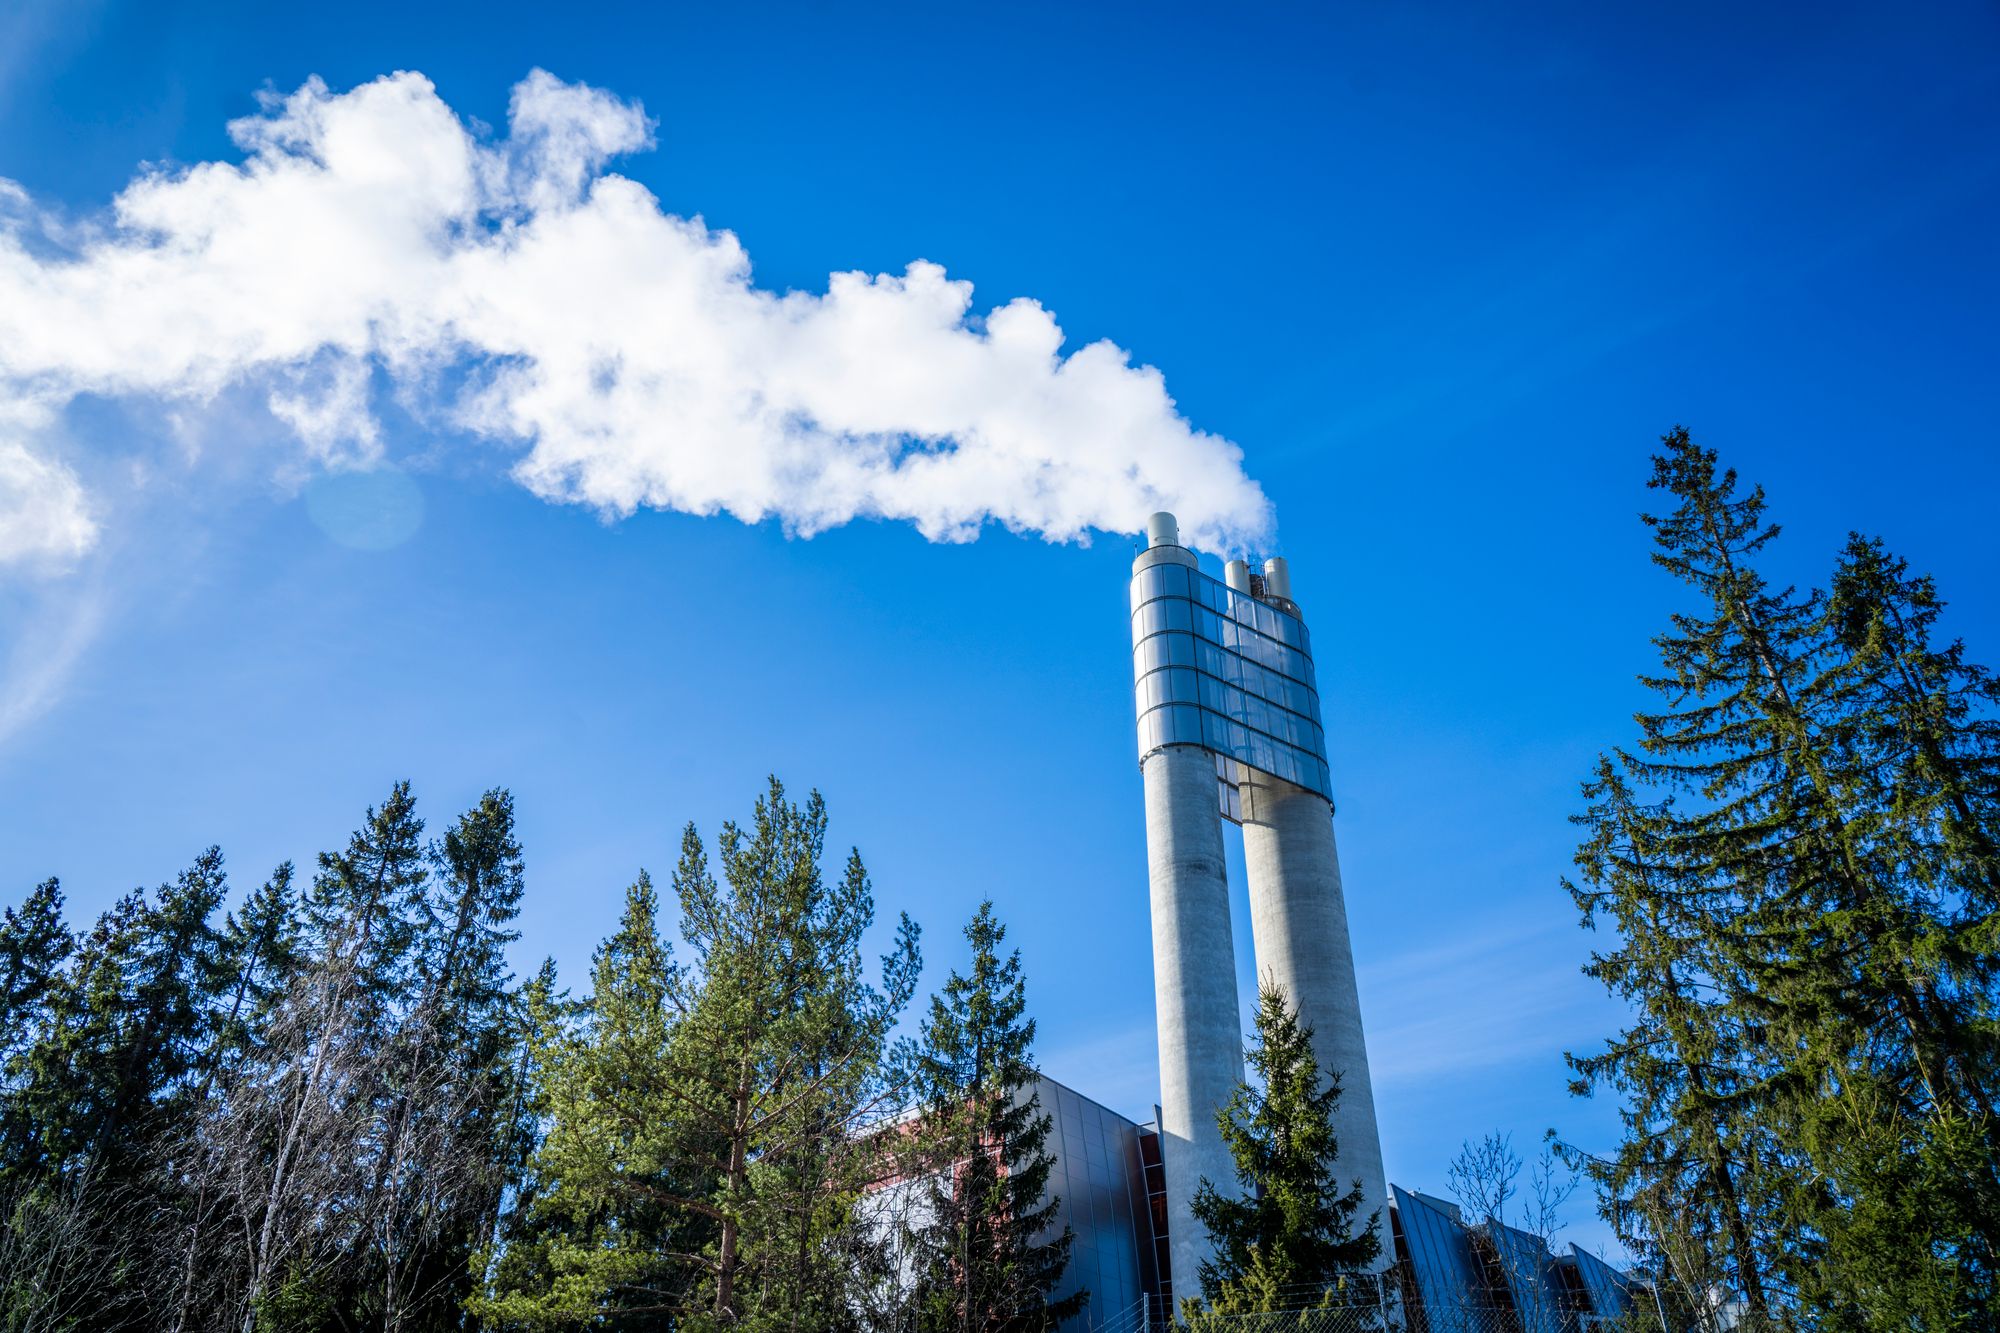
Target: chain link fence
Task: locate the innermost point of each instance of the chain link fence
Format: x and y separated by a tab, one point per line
1343	1313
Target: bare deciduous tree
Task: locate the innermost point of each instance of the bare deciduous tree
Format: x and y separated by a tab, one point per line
1485	1175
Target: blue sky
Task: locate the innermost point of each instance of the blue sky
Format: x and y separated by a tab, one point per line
1442	273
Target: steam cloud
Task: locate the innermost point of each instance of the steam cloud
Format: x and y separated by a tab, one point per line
515	290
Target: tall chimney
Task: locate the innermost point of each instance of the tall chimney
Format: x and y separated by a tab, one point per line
1278	578
1230	728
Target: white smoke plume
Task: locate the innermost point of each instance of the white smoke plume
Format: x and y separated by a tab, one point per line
513	289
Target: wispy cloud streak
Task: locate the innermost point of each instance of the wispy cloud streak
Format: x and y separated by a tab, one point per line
1494	995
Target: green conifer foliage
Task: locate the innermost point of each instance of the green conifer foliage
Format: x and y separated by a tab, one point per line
775	1061
1292	1232
107	1082
514	1260
980	1241
261	955
434	1184
1796	857
600	1233
1684	1185
300	1144
35	946
706	1138
258	955
1929	725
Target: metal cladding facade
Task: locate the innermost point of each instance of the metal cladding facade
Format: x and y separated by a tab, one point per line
1444	1270
1229	728
1107	1183
1459	1277
1226	671
1098	1180
1609	1291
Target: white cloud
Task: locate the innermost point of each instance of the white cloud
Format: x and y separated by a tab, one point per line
327	408
44	519
514	288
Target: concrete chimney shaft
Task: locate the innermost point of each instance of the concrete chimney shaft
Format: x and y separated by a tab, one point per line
1298	913
1194	990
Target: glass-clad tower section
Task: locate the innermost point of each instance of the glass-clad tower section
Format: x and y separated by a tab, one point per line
1229	728
1228	671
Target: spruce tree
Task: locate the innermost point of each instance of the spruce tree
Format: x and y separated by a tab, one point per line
1682	1189
1913	1241
433	1185
108	1082
1937	708
299	1141
258	956
1793	858
1929	722
35	947
1726	898
1291	1233
176	969
982	1246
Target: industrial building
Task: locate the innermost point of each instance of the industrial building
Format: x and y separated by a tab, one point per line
1442	1276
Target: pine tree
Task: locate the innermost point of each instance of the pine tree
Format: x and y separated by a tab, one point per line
775	1059
1290	1234
706	1140
982	1246
603	1229
514	1263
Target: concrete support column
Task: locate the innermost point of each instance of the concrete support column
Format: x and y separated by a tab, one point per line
1298	919
1194	989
